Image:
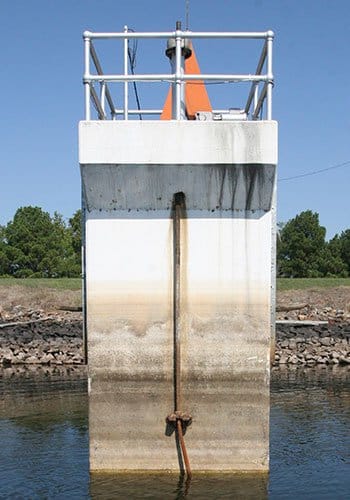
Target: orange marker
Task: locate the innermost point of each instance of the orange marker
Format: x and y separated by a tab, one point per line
196	96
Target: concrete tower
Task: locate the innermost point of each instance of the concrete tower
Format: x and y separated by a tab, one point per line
179	266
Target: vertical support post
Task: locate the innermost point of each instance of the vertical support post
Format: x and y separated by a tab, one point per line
126	87
270	36
176	53
179	64
178	74
87	42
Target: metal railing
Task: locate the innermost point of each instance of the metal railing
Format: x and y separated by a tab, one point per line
260	88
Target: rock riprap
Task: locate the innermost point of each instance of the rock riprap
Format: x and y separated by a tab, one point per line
50	341
57	340
311	345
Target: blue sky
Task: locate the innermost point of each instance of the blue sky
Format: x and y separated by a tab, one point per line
42	92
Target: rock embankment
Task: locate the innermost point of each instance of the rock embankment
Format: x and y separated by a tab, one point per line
311	345
56	340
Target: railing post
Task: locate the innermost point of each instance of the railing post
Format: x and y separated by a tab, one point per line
126	85
270	36
87	42
178	82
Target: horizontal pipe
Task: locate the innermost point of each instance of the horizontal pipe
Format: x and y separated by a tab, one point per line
160	111
182	34
119	112
228	111
172	78
139	111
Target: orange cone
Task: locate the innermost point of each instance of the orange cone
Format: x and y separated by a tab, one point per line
196	96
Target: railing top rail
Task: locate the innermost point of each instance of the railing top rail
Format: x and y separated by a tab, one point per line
170	77
179	33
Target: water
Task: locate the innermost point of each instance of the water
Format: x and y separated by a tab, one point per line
44	442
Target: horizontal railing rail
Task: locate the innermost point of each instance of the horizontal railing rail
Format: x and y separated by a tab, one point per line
259	93
182	34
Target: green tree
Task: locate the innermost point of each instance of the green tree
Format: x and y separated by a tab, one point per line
300	246
75	227
73	232
340	246
4	261
330	263
36	244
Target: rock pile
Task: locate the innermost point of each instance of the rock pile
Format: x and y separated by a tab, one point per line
50	341
20	313
300	345
313	313
32	337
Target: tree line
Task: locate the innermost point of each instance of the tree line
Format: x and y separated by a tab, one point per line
303	252
36	244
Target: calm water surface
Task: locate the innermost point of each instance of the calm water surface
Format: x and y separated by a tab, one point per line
44	442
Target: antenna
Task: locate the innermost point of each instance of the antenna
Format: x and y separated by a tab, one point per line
187	13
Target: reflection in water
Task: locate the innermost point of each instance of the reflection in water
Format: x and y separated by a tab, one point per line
43	433
44	442
309	436
162	486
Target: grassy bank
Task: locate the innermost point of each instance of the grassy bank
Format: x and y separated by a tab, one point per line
52	294
75	283
36	293
56	283
310	283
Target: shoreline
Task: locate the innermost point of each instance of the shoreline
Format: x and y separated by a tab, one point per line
57	340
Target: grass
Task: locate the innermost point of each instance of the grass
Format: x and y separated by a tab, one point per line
75	283
55	283
307	283
39	293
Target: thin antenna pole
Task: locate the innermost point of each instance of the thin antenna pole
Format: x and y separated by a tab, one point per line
187	14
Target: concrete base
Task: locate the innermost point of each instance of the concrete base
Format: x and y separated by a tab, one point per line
225	342
230	429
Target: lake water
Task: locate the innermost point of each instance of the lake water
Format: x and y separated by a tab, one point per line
44	442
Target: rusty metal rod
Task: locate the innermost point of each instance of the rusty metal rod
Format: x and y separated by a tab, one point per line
177	270
179	207
183	448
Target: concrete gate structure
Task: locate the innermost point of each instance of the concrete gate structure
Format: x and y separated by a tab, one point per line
179	270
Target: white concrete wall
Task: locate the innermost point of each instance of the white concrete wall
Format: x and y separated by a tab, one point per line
225	287
130	171
177	142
